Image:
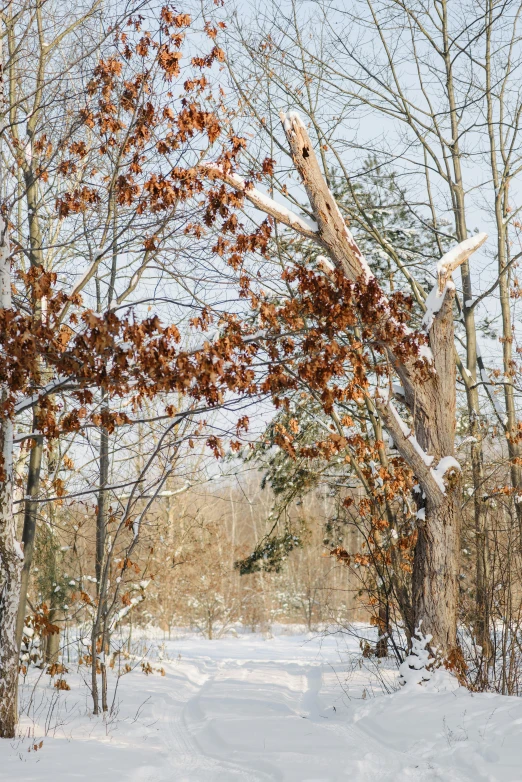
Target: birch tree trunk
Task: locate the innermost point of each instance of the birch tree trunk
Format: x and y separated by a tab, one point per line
10	552
10	563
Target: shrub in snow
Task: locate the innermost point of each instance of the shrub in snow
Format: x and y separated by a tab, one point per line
416	667
421	668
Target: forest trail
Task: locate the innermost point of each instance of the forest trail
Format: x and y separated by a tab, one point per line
257	709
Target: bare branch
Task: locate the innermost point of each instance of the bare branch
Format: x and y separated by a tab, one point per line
264	203
409	449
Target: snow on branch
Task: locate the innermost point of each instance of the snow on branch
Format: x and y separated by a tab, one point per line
59	384
409	435
266	204
455	257
430	478
410	450
445	268
325	265
446	464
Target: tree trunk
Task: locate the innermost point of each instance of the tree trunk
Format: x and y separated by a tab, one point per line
435	573
101	515
103	666
99	626
10	552
94	658
35	461
473	360
52	642
10	559
381	647
30	515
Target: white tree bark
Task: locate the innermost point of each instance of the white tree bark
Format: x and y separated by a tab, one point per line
11	555
10	552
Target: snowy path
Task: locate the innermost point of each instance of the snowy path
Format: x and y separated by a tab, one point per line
267	711
254	721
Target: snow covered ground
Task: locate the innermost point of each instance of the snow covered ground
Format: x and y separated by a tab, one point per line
288	707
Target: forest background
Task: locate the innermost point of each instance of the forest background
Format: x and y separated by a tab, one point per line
214	409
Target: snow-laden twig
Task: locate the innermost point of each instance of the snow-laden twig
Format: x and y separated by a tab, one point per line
445	268
445	464
409	435
409	448
267	205
456	256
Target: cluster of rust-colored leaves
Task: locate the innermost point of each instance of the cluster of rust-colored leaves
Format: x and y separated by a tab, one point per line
336	335
139	105
330	340
122	355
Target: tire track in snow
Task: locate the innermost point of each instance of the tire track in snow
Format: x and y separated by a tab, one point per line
197	723
217	712
260	687
188	760
185	762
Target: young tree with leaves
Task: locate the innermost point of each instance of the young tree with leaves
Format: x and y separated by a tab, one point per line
55	349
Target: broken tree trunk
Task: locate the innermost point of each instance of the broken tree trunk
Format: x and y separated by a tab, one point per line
428	445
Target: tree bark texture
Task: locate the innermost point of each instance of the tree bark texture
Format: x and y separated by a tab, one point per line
10	551
28	535
435	573
11	565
